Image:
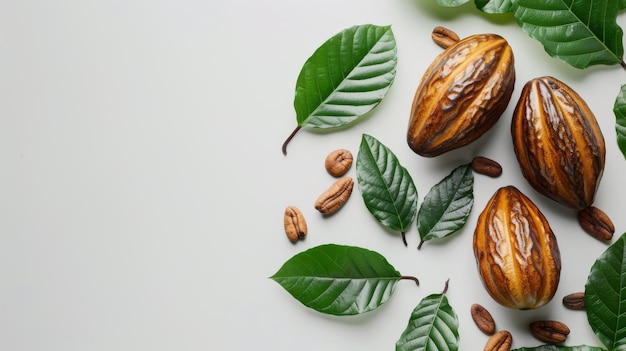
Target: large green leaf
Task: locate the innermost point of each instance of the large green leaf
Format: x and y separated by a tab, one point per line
339	280
605	296
620	119
386	186
345	78
447	205
451	3
560	348
581	33
433	326
494	6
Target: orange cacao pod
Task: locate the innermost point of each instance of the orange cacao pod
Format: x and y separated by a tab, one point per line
516	251
462	95
558	142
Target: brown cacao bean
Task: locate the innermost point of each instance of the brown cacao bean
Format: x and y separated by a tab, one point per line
335	197
500	341
516	252
486	166
461	95
444	37
574	301
596	223
551	332
295	224
558	142
483	319
338	162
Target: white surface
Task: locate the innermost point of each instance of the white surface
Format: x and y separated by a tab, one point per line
143	186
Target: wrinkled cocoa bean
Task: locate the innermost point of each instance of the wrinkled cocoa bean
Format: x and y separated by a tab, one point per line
335	197
486	166
483	319
338	162
596	223
551	332
500	341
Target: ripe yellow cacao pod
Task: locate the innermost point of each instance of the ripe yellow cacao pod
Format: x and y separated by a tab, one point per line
558	142
516	252
462	95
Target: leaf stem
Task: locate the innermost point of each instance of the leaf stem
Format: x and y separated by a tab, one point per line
420	244
445	288
284	148
404	239
409	277
623	64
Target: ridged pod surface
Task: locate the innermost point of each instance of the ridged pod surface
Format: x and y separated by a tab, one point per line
516	251
558	142
462	95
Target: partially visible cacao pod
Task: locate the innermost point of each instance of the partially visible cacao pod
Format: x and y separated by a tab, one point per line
462	95
558	142
517	254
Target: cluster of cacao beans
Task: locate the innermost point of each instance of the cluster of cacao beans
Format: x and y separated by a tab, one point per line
557	142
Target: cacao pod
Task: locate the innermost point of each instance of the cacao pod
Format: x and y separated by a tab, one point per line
462	95
516	252
558	142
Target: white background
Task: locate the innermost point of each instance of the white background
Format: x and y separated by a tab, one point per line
142	185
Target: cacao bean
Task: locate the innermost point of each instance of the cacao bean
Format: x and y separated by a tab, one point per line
551	332
444	37
486	166
335	197
596	223
338	162
574	301
558	142
461	95
295	224
500	341
483	319
516	251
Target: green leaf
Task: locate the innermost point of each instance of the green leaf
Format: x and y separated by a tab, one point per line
433	326
605	296
619	109
451	3
494	6
447	205
386	186
560	348
345	78
581	33
339	280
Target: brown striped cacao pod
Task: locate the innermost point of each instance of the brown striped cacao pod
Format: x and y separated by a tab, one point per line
558	142
516	252
462	95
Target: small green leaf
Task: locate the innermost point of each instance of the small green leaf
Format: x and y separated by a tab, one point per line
339	280
605	296
447	205
386	186
451	3
619	109
581	33
345	78
494	6
560	348
433	325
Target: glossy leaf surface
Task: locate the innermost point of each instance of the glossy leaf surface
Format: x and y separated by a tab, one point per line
386	186
494	6
346	77
619	109
433	326
581	33
605	296
338	280
447	205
